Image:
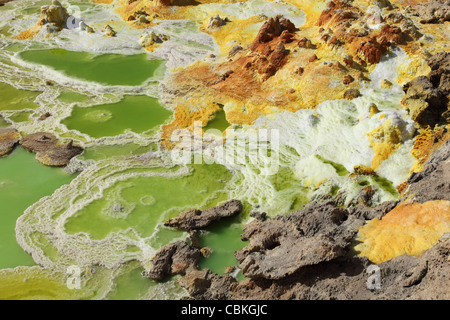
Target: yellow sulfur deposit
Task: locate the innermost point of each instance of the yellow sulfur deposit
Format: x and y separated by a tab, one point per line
410	228
384	140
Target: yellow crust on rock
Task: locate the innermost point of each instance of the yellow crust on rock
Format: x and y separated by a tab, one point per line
410	228
384	140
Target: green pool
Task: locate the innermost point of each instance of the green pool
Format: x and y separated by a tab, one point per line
23	181
135	113
108	69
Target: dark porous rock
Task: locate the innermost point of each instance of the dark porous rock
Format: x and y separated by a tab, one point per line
426	97
368	213
346	278
348	79
9	137
174	258
206	285
47	150
404	277
282	245
196	219
259	215
433	182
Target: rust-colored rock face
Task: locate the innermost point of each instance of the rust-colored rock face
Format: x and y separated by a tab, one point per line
269	47
271	29
366	44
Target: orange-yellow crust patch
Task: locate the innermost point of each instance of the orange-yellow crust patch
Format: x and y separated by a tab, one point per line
410	228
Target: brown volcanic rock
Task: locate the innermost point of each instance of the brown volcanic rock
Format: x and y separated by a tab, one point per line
268	46
9	137
282	245
426	97
47	150
404	277
348	79
272	29
433	182
351	94
368	45
206	285
38	142
174	258
434	11
196	219
58	155
308	254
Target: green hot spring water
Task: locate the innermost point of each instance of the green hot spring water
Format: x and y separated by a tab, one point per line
109	69
23	181
136	113
16	99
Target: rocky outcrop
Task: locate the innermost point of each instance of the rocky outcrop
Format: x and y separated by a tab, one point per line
196	219
344	24
434	11
404	277
109	31
216	22
282	245
427	97
268	46
149	39
351	94
206	285
54	14
55	17
272	29
343	278
433	182
174	258
9	137
47	149
180	257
